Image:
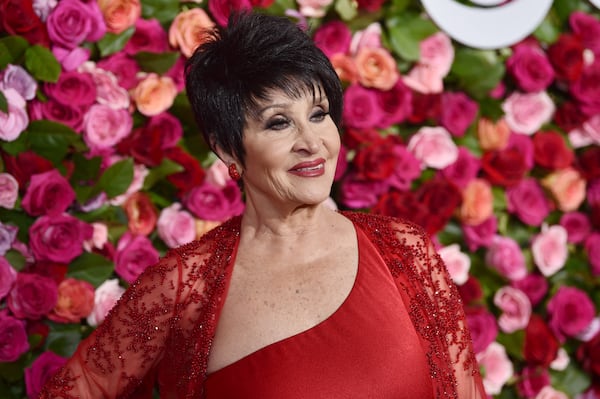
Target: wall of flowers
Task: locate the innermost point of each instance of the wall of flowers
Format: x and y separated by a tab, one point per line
496	153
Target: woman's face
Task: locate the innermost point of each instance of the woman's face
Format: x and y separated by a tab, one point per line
292	147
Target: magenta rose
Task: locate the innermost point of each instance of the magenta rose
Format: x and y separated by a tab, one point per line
123	67
535	286
71	59
58	238
361	108
457	112
8	233
8	275
49	193
13	338
220	9
73	88
72	22
480	235
359	193
40	371
570	311
134	254
532	380
530	68
169	127
578	226
464	169
592	243
405	168
333	37
209	202
70	115
395	104
149	36
505	255
483	328
527	200
587	28
33	296
586	89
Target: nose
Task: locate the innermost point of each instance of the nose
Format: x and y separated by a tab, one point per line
308	139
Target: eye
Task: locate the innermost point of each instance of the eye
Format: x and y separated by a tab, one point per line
319	115
277	123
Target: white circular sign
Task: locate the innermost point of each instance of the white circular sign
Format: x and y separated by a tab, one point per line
596	3
488	28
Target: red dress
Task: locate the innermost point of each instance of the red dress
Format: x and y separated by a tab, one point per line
368	348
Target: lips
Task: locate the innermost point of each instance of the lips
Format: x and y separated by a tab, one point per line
309	169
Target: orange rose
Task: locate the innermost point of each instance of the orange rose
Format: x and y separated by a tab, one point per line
141	213
204	226
567	187
345	67
492	136
477	204
376	68
186	31
120	14
154	94
75	301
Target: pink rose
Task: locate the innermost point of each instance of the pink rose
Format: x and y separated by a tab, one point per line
218	174
550	250
120	14
515	307
13	338
71	59
591	245
8	275
497	368
578	226
505	255
368	37
482	326
458	263
72	22
8	234
424	79
176	226
361	109
548	392
9	190
567	186
58	238
154	94
108	91
105	127
75	301
40	371
358	194
123	67
105	298
221	9
16	77
33	296
313	8
185	30
524	145
48	193
149	36
464	169
458	111
73	88
213	203
527	200
437	52
134	254
99	237
333	37
434	147
530	68
405	168
16	120
526	113
534	286
481	235
570	311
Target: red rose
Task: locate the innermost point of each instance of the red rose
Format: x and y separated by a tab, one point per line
586	89
395	104
58	238
424	107
589	163
370	5
441	197
192	174
144	145
33	296
356	138
56	271
376	161
540	346
470	291
505	167
407	206
24	165
141	213
551	151
568	116
566	56
18	18
588	354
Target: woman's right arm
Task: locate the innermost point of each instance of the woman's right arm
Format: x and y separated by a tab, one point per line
114	360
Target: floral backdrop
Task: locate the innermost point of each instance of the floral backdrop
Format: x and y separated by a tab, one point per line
496	153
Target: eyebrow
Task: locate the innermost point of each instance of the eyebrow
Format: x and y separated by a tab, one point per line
261	111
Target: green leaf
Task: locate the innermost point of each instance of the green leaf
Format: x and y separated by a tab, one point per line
165	168
85	170
3	103
156	62
116	179
549	30
112	43
347	9
17	218
91	267
42	64
52	140
406	31
571	381
12	49
163	10
63	338
513	343
15	259
477	71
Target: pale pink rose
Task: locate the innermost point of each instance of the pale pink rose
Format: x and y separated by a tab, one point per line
497	368
218	174
154	94
108	90
527	112
434	147
176	226
16	120
139	175
186	30
516	309
591	129
120	14
376	68
313	8
105	298
550	250
567	186
9	190
590	331
368	37
548	392
562	360
99	237
437	52
424	79
505	255
8	276
43	7
458	263
16	77
104	127
8	235
478	202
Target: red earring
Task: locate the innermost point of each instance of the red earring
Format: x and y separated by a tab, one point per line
233	172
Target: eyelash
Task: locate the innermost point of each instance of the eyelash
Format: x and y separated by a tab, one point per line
280	123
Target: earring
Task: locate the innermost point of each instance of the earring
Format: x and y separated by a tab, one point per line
233	172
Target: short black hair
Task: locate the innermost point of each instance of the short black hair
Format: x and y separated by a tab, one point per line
237	65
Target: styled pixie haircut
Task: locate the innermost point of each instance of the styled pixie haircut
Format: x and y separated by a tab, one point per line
237	66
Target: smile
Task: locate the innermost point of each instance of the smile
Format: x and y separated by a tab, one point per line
309	169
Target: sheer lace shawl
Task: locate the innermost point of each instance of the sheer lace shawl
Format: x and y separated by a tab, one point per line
162	328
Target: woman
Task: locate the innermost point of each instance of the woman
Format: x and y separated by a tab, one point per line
291	299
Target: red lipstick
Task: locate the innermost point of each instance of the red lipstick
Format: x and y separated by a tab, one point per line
314	168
